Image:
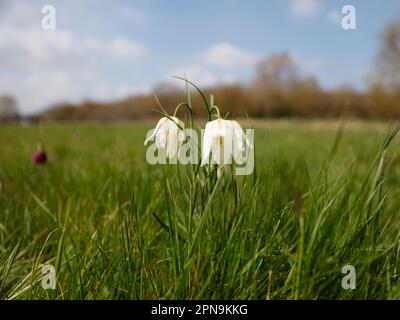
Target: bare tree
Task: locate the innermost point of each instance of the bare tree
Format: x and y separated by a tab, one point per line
8	108
388	59
277	71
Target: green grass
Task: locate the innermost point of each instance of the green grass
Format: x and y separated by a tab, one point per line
117	228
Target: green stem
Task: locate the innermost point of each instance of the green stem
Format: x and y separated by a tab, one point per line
217	110
187	107
208	107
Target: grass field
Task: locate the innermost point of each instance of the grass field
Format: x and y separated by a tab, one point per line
115	227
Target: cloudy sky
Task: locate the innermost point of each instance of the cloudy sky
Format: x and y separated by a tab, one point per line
106	50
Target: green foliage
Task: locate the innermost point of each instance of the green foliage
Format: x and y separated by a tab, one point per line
115	227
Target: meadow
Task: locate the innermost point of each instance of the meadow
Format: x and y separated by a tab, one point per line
323	195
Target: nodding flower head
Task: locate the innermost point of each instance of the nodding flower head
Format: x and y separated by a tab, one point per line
39	156
224	140
169	135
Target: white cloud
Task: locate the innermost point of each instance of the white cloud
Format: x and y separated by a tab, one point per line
120	47
334	17
305	8
133	14
32	47
220	64
313	64
202	76
227	56
196	74
39	90
42	68
107	92
125	48
309	64
19	14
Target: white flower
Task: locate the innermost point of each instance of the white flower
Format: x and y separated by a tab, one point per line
168	135
224	139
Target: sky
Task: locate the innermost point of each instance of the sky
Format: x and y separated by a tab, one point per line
107	50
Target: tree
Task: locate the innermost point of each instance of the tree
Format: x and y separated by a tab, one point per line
8	108
277	71
387	74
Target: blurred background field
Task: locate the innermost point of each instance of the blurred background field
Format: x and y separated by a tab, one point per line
90	212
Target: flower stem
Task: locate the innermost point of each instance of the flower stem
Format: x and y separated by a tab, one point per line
216	110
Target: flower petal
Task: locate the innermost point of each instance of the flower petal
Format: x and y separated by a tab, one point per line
158	126
209	134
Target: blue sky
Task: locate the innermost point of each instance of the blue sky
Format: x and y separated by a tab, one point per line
107	50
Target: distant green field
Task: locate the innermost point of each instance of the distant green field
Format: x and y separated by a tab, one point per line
115	227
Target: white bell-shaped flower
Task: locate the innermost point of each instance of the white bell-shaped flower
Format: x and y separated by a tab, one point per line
168	135
225	140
